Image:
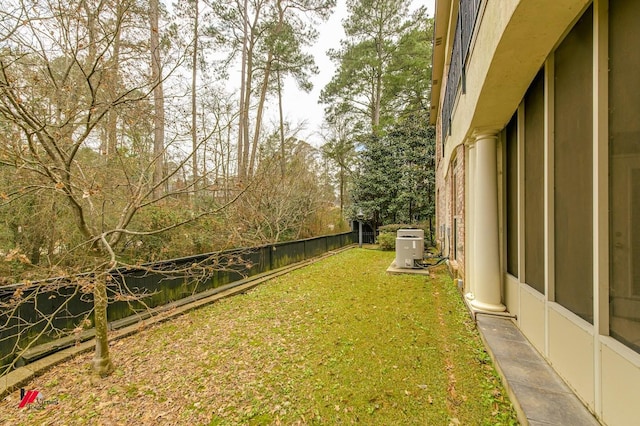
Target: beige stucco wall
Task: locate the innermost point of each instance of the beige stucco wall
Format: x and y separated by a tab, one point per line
532	317
571	351
620	383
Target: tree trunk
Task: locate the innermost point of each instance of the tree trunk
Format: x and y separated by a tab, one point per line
227	172
282	159
194	76
158	100
102	364
377	95
376	105
204	170
114	83
430	229
246	106
242	118
341	191
259	113
410	211
112	119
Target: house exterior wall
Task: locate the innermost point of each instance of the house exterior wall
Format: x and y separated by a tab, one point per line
512	41
457	214
450	205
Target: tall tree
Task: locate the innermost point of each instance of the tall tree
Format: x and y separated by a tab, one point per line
110	139
372	29
339	147
194	103
395	179
158	97
270	37
243	119
377	179
382	85
408	78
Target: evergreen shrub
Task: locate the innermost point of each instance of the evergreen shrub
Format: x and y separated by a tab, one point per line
387	241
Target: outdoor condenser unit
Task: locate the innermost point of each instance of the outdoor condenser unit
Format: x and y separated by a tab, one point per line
409	247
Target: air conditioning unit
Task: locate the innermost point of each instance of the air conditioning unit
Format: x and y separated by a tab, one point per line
409	247
415	233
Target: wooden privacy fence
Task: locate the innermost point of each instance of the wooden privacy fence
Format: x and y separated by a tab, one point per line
37	313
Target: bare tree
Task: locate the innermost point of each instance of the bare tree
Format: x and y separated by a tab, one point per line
94	177
55	95
280	208
339	147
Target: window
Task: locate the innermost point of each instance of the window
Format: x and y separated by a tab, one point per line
573	169
624	172
534	183
454	201
512	195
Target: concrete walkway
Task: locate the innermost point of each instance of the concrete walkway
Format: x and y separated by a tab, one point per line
538	394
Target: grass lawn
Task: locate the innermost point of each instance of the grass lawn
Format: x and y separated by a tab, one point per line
337	342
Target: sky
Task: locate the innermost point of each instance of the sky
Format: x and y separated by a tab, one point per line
301	107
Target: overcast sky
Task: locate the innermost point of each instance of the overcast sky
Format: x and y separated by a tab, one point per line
300	106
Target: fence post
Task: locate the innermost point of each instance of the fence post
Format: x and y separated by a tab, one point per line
271	248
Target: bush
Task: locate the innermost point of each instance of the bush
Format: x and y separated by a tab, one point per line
387	241
393	229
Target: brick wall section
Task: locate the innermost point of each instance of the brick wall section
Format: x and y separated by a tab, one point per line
450	189
459	206
441	192
450	206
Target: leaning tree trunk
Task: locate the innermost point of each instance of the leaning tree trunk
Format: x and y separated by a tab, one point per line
259	113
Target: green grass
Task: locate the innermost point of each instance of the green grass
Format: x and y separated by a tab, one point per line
359	345
337	342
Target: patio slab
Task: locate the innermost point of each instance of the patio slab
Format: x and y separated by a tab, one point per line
538	394
393	269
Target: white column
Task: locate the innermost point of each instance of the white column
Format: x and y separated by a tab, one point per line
469	214
486	280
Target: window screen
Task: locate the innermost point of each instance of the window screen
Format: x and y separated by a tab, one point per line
624	172
512	195
573	169
534	183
